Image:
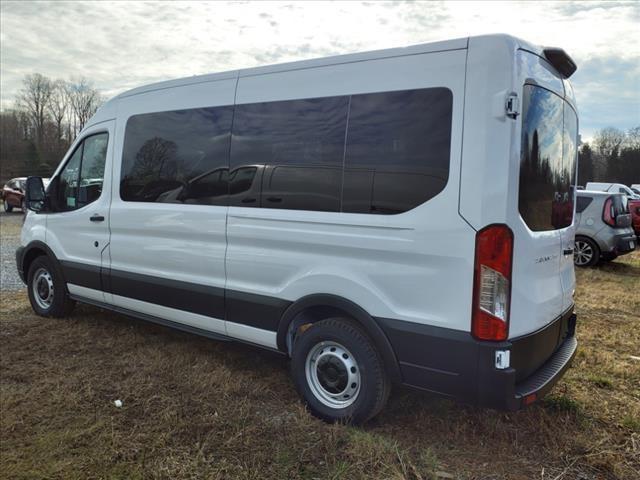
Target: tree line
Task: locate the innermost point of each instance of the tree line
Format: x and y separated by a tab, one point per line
612	156
47	115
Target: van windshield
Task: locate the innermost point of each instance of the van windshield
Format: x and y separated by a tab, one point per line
547	160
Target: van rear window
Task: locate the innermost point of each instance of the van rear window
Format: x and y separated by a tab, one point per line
547	160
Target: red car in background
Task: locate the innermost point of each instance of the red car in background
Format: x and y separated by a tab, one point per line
13	194
634	209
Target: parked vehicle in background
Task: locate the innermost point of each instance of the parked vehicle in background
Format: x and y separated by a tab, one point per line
603	227
634	209
613	188
635	188
13	194
332	210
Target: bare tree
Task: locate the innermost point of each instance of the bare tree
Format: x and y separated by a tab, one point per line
34	98
58	107
84	101
608	141
633	139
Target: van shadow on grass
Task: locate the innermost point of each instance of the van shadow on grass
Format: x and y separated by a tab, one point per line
619	268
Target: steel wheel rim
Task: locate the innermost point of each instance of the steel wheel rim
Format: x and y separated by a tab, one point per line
42	287
583	253
333	374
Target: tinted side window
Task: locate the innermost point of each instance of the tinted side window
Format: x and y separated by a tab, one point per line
582	203
289	154
177	157
398	149
547	160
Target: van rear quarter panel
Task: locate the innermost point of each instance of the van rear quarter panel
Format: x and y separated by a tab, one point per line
489	185
414	266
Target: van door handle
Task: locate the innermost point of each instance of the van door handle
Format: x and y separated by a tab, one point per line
568	251
275	199
97	218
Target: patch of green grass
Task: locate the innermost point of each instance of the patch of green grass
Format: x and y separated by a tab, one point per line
561	403
631	422
601	382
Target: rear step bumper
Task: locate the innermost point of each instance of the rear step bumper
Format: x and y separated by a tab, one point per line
538	384
453	364
507	390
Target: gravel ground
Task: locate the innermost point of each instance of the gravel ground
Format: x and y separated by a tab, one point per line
10	225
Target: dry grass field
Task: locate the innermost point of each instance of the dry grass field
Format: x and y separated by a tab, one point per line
196	408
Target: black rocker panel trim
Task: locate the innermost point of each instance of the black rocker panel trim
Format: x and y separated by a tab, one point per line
82	274
190	297
168	323
248	309
259	311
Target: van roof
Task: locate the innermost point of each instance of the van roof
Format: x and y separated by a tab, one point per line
447	45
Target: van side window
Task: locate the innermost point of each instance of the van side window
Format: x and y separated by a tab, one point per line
398	149
80	181
298	145
177	157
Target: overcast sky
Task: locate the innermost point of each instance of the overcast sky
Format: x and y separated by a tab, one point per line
120	45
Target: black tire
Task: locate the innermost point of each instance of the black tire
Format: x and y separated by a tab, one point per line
7	208
23	206
59	303
586	252
375	385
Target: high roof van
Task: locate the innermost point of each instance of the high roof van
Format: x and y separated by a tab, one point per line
401	216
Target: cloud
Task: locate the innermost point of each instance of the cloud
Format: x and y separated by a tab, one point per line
121	45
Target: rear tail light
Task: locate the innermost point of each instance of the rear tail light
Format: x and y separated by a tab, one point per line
608	216
492	283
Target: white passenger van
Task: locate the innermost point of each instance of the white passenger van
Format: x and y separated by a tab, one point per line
613	188
401	216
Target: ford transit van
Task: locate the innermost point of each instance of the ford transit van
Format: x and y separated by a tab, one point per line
401	216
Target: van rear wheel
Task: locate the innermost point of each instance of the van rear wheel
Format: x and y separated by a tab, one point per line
586	253
338	372
47	291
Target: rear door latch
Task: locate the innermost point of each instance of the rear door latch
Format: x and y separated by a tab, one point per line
512	105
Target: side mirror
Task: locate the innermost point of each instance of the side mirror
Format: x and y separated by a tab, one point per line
34	194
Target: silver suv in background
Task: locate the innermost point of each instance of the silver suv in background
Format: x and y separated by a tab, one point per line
603	227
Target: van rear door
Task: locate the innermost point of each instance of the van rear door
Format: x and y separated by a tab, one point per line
570	163
543	277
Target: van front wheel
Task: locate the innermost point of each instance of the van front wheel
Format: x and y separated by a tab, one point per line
46	288
338	372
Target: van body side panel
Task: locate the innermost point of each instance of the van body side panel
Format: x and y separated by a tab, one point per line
160	250
414	266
